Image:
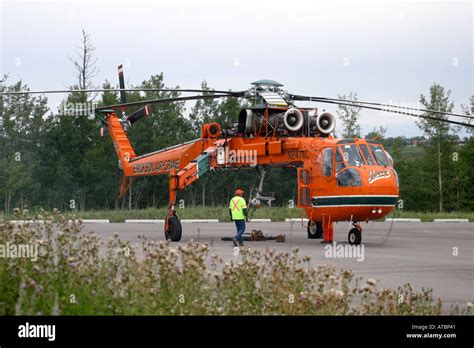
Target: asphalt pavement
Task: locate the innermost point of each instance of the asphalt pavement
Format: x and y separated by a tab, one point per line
429	255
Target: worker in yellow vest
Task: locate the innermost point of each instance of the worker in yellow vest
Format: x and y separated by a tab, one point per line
238	212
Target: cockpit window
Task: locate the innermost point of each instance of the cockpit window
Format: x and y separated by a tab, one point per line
349	177
379	155
327	164
339	160
351	155
367	155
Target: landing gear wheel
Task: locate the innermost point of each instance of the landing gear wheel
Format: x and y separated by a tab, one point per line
174	229
315	230
355	236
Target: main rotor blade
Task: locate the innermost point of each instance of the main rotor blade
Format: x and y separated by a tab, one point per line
355	102
393	111
123	96
169	100
118	90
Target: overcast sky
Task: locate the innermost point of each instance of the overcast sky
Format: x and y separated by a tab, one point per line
385	51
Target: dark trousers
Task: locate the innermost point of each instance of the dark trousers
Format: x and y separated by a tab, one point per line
240	225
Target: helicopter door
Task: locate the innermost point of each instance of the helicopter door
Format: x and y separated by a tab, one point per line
304	189
324	182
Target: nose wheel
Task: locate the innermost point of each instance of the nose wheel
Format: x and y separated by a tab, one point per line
355	235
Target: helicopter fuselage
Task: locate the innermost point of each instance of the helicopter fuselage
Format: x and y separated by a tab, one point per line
338	179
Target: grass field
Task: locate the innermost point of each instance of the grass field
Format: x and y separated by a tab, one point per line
220	212
413	151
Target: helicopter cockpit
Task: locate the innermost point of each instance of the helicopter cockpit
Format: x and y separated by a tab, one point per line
350	157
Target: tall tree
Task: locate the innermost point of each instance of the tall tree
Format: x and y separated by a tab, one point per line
349	116
436	130
205	110
21	128
72	134
85	62
469	110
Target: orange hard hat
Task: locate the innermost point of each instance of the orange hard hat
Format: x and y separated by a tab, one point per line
239	191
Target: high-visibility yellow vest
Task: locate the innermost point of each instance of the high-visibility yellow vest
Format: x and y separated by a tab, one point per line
237	206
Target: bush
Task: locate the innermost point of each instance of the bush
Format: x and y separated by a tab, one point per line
75	274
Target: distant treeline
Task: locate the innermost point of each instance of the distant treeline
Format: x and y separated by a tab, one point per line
53	161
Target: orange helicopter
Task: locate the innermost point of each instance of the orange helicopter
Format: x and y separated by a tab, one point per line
338	179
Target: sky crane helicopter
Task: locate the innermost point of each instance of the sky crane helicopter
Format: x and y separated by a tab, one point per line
337	179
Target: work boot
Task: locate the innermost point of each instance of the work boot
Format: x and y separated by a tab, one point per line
241	244
234	240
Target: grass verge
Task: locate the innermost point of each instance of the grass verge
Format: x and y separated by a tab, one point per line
221	213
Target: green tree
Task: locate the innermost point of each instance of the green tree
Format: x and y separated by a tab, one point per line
396	148
469	110
228	111
377	133
466	176
85	62
21	127
69	152
349	116
438	131
165	126
205	110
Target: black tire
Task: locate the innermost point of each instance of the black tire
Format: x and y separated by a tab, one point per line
174	229
315	230
354	237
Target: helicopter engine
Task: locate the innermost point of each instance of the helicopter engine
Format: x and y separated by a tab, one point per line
293	119
326	122
292	122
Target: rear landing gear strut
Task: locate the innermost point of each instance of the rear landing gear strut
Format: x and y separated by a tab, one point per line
173	229
355	234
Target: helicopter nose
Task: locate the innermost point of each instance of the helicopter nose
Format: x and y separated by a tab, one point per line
381	181
380	176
